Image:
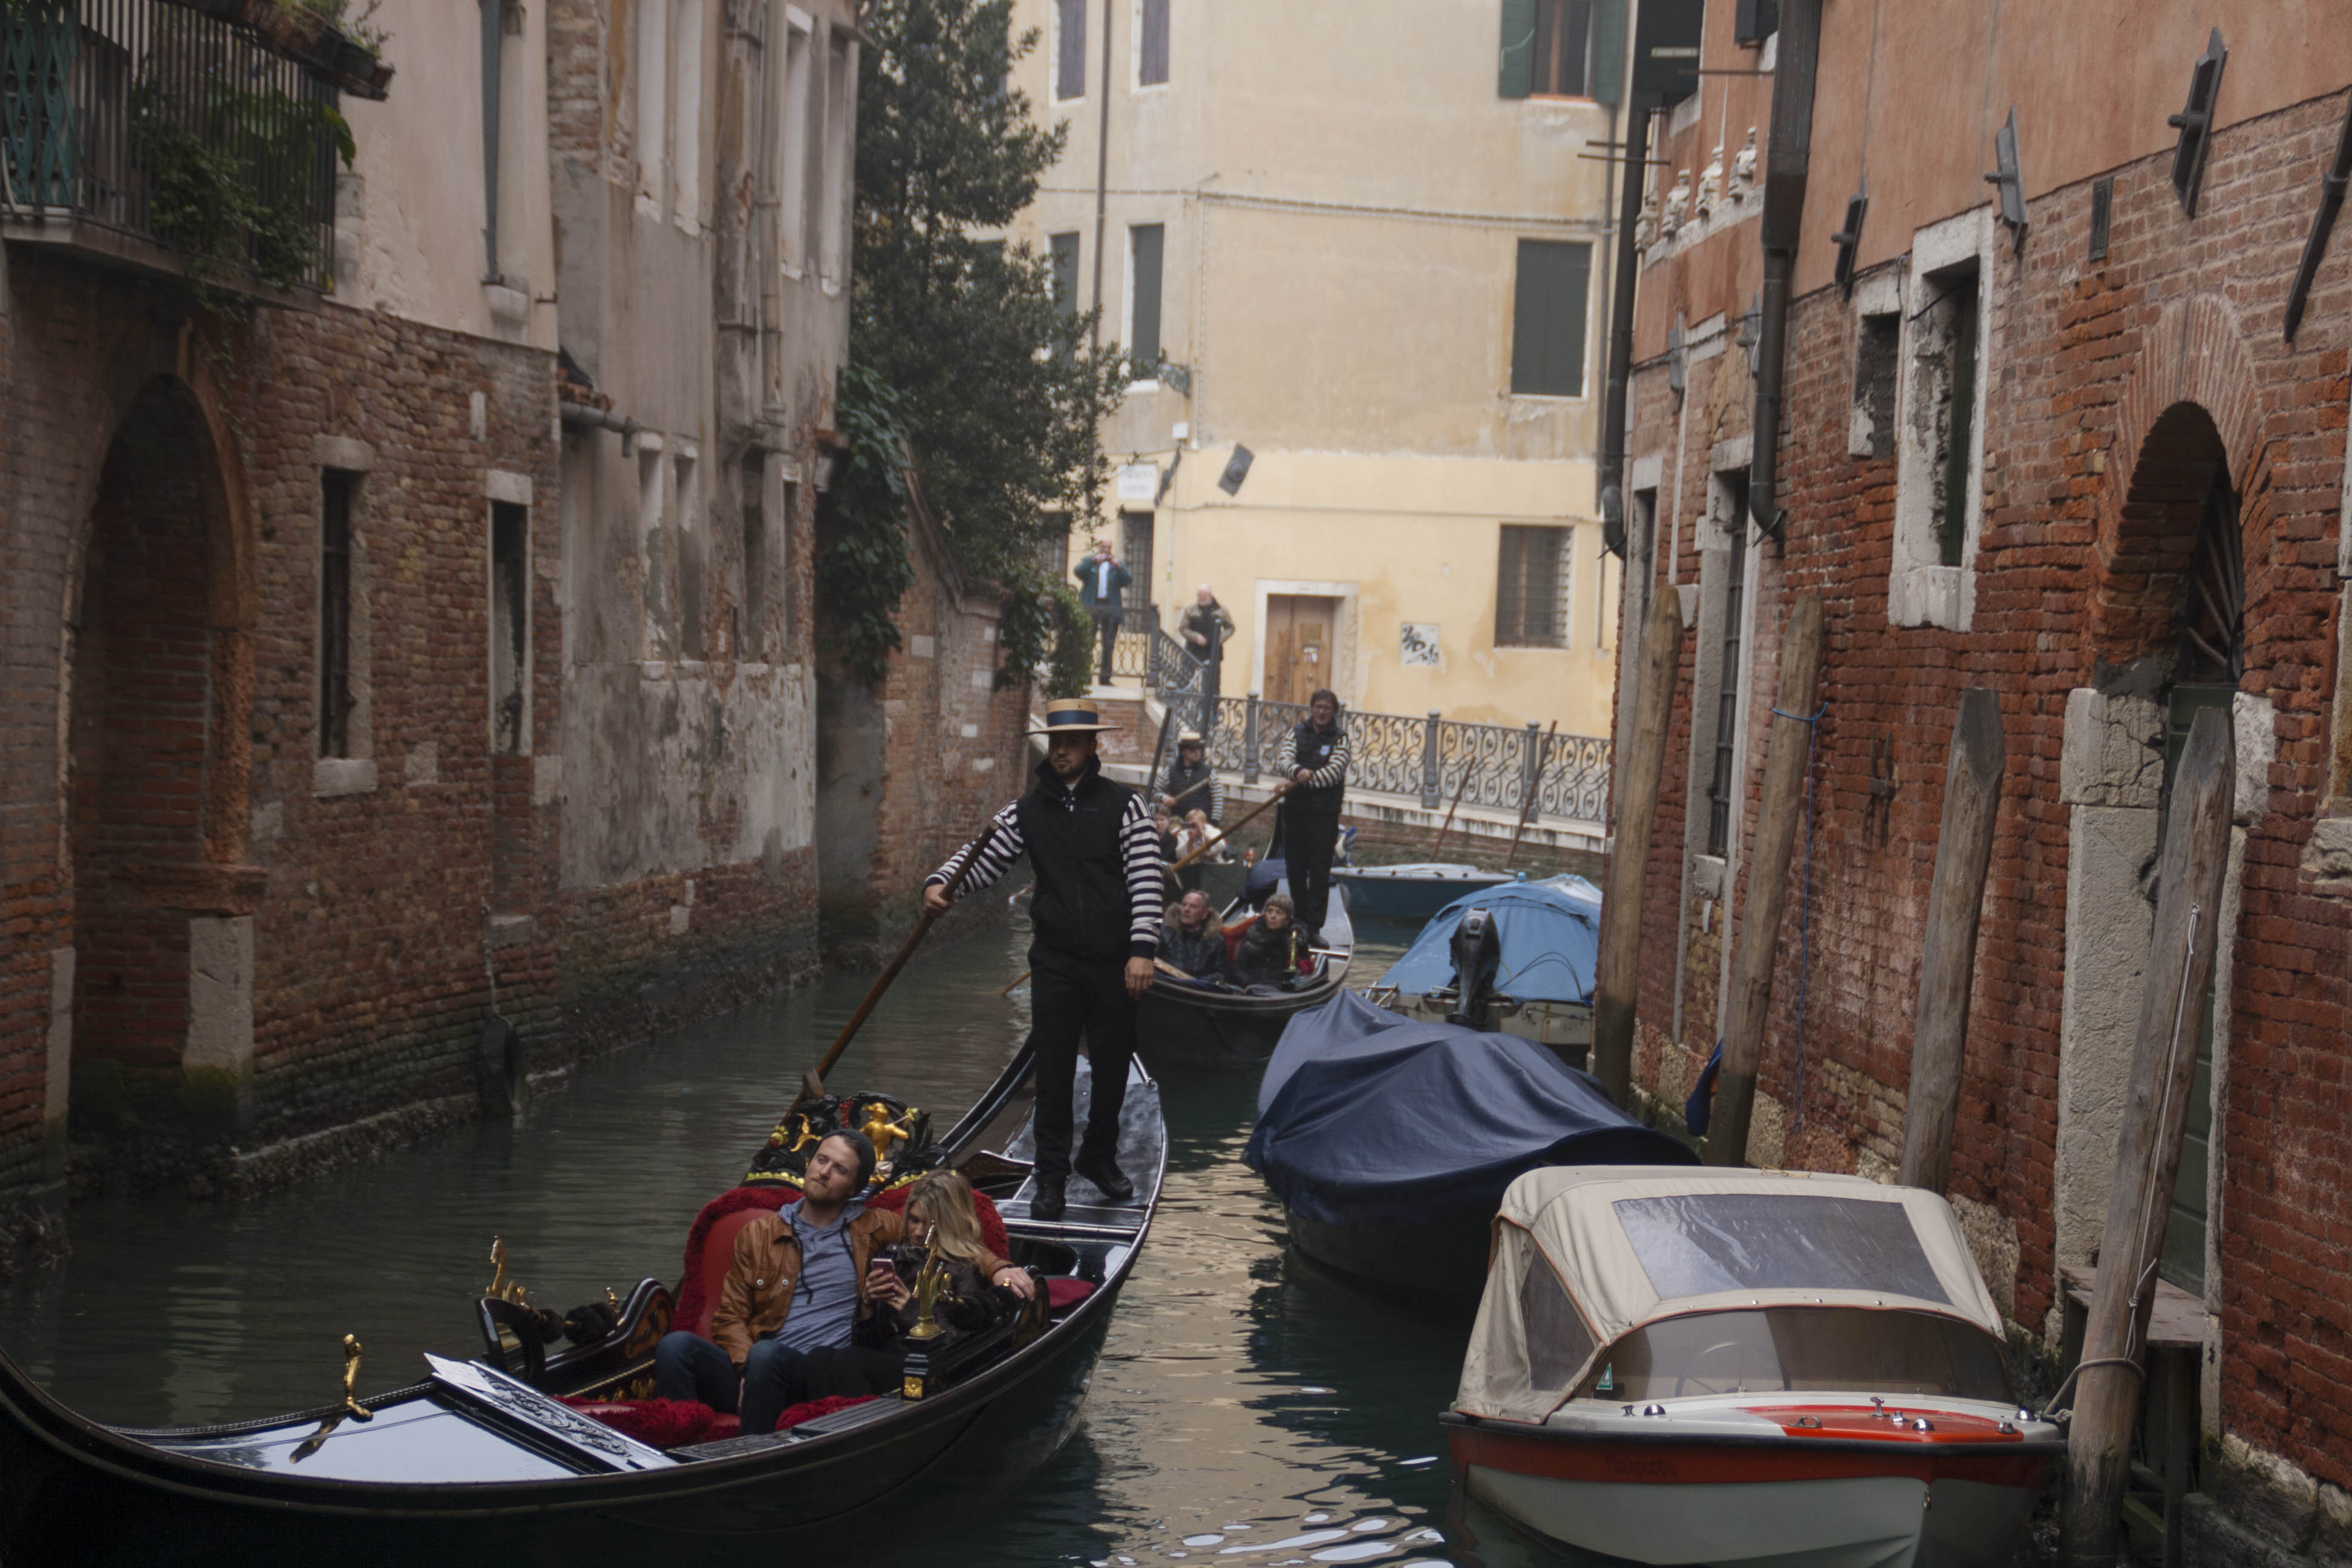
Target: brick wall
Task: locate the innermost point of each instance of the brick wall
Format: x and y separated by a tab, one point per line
2078	572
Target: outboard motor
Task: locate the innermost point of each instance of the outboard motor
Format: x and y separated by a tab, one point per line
1478	951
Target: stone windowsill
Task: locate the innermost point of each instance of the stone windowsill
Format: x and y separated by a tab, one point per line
332	776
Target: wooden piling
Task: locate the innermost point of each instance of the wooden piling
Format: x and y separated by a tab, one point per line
1947	965
1634	785
1759	935
2147	1150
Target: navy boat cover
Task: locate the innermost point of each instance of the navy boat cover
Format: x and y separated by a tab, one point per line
1369	1117
1550	932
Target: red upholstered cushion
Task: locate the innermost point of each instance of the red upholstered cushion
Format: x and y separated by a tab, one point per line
722	1427
710	1243
1063	1293
1234	934
661	1423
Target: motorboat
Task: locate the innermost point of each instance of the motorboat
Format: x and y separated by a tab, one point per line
1744	1369
1534	978
1415	891
1391	1141
1193	1023
530	1454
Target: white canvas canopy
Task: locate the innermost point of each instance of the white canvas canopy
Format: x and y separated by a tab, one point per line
1622	1246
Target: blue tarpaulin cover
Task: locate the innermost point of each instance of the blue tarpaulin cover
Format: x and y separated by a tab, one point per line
1550	932
1367	1118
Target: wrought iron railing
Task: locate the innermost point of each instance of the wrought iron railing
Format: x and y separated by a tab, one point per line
173	124
1438	759
1146	652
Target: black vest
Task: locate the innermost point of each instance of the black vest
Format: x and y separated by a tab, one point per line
1081	906
1313	748
1182	778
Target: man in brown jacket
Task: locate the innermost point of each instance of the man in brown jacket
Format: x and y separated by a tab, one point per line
800	1281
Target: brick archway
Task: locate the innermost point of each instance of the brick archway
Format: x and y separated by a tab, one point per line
2150	538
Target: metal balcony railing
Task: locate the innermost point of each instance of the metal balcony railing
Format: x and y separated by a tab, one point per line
141	126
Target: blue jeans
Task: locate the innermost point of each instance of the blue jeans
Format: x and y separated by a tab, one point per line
687	1366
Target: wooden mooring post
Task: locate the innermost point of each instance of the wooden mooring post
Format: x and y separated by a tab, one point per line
1947	965
1633	783
2147	1150
1759	936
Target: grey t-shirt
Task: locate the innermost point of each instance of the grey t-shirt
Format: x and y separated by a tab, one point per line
825	1298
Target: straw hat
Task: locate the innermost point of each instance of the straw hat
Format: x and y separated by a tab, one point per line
1189	738
1072	715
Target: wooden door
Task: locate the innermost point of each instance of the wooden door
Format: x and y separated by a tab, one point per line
1300	632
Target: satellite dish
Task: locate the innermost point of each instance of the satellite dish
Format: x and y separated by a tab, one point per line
1237	468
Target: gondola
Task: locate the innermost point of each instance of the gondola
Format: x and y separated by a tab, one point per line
485	1462
1185	1024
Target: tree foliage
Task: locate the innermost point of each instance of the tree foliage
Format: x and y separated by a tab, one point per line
996	386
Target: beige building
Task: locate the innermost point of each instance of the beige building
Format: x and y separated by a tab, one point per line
1366	248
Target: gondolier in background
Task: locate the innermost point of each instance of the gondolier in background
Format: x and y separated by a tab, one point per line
1192	784
1096	916
1314	759
1102	589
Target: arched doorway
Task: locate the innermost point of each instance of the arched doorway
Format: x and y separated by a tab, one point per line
156	710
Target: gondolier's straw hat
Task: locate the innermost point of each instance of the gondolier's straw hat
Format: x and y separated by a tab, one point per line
1189	738
1072	715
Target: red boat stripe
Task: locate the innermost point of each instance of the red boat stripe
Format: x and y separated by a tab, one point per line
1672	1464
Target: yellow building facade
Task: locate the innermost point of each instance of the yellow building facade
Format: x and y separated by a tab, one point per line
1359	256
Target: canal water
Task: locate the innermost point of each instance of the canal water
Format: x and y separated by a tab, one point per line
1249	1408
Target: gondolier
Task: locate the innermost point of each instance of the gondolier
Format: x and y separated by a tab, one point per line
1314	758
1097	915
1192	784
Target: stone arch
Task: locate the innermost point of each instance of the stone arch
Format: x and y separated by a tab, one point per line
2148	540
161	601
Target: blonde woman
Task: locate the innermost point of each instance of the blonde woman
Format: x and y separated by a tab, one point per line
940	1204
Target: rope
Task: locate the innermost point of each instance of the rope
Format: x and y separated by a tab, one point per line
2049	1411
1805	906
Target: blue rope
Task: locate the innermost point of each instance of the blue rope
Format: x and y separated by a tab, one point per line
1805	907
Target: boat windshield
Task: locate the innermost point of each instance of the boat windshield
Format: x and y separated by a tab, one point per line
1802	1349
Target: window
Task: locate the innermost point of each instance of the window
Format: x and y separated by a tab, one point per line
654	592
1144	242
1877	359
1802	1349
793	146
750	636
1724	788
1135	529
1753	21
1069	49
840	86
653	98
1939	423
1548	46
686	120
1531	588
1609	575
336	487
509	626
1151	42
1064	251
1957	413
1547	318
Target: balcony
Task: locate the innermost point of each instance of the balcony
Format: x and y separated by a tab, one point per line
194	140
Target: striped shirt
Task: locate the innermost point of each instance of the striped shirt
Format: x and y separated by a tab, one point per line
1210	799
1335	772
1138	849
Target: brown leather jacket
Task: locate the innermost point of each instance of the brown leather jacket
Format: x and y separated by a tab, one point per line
758	1292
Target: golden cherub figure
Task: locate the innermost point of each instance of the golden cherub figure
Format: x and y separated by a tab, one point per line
883	1133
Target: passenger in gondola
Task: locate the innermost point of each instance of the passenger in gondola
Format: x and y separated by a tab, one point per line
1274	950
981	1290
1193	942
798	1282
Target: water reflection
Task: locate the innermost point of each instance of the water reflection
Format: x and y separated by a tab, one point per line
1248	1409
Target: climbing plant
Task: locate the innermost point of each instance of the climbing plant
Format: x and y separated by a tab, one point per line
862	563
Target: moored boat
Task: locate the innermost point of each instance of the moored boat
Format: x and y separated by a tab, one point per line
1391	1141
528	1456
1538	982
1744	1369
1184	1024
1415	891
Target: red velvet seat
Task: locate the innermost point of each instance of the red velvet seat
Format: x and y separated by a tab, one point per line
1062	1293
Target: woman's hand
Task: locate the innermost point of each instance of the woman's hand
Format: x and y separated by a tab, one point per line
1016	1278
882	1283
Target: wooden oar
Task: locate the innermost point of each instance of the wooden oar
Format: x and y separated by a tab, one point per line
812	1082
1279	791
1534	788
1178	798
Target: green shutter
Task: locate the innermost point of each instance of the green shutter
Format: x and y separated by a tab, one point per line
1065	273
1519	49
1609	50
1547	318
1143	354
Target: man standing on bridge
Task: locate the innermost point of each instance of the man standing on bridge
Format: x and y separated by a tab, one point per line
1096	918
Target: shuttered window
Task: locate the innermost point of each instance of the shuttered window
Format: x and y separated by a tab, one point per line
1531	588
1064	251
1723	786
1069	48
1561	48
1547	318
1151	43
1144	243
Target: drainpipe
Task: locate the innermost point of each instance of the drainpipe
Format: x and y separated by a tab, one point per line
1621	325
493	34
1102	172
1787	164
